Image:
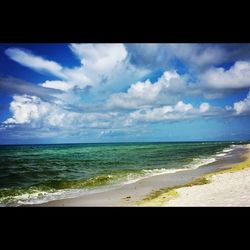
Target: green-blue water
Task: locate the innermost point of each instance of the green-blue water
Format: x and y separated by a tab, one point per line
29	173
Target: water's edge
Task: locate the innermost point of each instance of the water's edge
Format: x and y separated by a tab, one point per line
117	193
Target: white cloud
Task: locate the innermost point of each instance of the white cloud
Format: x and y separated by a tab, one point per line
101	63
33	111
32	61
98	63
180	111
56	85
26	108
100	58
236	77
71	76
78	76
107	63
182	107
152	115
242	107
204	107
171	113
166	90
200	61
37	114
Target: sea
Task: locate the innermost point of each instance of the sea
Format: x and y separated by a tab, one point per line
34	174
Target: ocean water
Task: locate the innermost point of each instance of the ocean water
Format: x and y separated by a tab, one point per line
37	173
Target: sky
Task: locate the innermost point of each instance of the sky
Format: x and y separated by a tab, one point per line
83	93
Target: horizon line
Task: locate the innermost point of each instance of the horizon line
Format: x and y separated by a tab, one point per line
60	143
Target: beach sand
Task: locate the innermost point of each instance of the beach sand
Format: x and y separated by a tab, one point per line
132	194
226	189
229	189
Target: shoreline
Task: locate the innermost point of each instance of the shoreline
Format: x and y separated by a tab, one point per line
132	194
227	187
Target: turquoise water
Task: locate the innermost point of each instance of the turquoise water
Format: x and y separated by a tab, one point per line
29	173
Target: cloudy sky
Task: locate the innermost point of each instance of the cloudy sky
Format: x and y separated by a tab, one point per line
53	93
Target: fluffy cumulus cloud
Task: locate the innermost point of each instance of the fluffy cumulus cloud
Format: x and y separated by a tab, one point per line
242	107
182	107
204	107
31	110
100	62
180	111
166	89
26	108
236	77
100	58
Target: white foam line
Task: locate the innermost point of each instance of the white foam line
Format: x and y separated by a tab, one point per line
72	193
154	172
220	155
42	197
196	163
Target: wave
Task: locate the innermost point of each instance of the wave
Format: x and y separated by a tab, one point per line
52	190
227	150
69	189
38	197
220	154
72	188
196	163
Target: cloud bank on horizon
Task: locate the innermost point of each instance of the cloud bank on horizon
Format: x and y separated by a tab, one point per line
124	92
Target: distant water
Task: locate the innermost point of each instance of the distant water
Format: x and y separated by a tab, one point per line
38	173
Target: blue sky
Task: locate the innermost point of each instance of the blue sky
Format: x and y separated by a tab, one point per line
56	93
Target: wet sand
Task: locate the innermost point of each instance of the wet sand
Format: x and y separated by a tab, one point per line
129	194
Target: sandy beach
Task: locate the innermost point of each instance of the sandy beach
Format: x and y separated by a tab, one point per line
230	189
226	189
